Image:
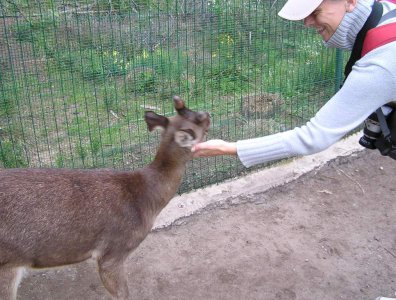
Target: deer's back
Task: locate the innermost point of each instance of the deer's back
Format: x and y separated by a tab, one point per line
68	213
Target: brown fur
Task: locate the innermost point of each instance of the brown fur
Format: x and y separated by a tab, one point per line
55	217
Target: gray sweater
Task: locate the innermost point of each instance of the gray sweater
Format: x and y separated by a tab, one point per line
370	85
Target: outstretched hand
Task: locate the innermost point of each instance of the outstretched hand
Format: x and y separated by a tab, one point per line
214	148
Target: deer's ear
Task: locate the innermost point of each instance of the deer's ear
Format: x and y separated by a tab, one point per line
185	138
155	121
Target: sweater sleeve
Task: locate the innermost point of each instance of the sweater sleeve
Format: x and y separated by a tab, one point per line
370	85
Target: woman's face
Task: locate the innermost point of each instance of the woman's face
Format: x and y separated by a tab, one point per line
329	14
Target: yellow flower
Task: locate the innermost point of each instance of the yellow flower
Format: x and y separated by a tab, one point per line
230	40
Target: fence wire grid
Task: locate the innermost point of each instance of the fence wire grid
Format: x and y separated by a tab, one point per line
77	76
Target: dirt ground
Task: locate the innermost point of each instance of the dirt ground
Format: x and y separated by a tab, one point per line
331	234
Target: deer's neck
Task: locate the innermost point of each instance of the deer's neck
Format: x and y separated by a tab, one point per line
165	173
171	163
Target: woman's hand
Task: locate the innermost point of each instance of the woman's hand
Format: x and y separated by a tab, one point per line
214	148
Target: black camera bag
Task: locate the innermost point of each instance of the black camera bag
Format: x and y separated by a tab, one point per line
386	143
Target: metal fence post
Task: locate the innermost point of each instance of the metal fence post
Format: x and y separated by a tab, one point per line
339	68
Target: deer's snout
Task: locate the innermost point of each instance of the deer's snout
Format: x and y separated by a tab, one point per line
203	118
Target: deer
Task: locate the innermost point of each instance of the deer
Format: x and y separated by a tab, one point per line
53	217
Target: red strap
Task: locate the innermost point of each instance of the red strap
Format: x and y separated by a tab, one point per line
378	37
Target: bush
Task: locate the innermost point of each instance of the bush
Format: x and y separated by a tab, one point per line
11	155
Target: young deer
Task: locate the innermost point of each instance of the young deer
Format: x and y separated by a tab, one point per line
55	217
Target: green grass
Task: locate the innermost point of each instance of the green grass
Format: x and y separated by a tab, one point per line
75	91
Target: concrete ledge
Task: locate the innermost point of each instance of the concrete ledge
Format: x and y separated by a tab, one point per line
189	203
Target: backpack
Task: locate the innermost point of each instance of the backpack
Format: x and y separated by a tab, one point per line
381	35
379	129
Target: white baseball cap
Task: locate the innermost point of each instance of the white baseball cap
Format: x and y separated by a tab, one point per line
298	9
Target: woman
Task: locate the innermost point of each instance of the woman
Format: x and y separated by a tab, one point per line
370	85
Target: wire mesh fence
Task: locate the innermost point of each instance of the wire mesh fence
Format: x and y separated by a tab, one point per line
77	76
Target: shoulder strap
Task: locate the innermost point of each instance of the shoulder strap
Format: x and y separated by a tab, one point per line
384	126
379	36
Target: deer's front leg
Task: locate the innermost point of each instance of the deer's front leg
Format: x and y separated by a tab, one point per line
112	273
9	282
